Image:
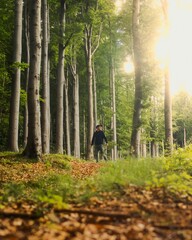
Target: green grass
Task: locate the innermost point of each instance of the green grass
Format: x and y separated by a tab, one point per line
173	173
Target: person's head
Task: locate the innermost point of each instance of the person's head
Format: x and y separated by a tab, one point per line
99	127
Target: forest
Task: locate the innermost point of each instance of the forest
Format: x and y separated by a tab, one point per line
67	66
96	64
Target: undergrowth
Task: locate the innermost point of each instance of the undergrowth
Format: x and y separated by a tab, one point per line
173	173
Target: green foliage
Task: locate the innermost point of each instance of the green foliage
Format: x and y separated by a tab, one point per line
54	188
12	191
176	172
182	115
17	65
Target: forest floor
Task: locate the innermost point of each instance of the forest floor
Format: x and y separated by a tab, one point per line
126	212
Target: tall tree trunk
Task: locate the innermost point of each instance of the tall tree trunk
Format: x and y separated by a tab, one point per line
167	99
60	81
76	106
67	118
95	94
88	56
135	136
27	46
153	126
114	127
15	93
90	47
34	147
45	83
84	134
168	115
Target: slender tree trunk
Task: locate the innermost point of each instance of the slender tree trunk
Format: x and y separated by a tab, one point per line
27	46
184	138
15	93
67	118
60	81
45	83
135	136
84	133
156	149
88	56
167	99
153	150
114	150
76	107
154	126
143	149
95	94
76	118
168	115
34	147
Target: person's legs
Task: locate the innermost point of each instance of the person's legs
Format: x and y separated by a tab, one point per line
103	153
96	153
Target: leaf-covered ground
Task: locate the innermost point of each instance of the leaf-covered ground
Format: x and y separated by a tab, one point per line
129	212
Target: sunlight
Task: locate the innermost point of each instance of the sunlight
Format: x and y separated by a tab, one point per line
118	5
128	66
178	46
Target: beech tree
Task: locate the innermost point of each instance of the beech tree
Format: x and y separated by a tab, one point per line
135	136
45	81
15	93
60	80
167	96
34	147
27	60
76	117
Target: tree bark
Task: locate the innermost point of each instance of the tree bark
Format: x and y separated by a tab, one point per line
114	118
60	81
15	93
67	117
88	57
184	138
167	98
76	106
27	46
168	115
34	147
45	122
95	94
135	136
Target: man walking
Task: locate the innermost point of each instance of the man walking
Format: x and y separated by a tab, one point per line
98	140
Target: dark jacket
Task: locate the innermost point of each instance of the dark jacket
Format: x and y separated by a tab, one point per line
98	138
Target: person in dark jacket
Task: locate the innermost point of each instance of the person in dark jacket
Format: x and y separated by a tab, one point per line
98	140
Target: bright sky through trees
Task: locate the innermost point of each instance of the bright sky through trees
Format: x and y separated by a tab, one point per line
178	45
128	65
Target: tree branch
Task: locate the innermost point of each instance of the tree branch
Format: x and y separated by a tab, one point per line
98	39
68	40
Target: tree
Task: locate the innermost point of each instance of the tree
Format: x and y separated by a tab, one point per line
15	93
27	59
34	147
167	100
76	119
135	136
90	47
67	115
60	81
45	82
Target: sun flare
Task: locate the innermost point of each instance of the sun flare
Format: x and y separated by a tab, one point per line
177	46
128	65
